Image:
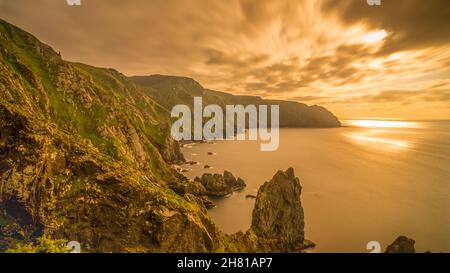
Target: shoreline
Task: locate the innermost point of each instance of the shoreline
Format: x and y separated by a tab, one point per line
424	245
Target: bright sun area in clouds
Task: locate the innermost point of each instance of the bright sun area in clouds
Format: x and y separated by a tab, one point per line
356	60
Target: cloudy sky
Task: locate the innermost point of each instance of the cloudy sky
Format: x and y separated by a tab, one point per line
358	60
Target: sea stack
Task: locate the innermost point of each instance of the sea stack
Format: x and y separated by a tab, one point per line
278	219
402	244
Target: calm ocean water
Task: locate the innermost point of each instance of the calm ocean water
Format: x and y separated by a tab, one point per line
371	180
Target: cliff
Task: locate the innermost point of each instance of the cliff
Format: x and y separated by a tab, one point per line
170	91
85	156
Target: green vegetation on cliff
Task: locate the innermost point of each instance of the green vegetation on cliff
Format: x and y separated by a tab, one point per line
42	245
85	156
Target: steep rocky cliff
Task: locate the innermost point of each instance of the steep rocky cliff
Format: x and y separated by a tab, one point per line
85	154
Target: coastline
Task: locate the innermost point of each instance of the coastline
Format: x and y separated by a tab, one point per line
316	196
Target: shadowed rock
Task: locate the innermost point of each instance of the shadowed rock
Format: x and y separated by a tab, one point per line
232	182
215	185
220	185
402	244
278	219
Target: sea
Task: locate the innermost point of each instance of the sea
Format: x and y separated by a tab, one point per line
370	180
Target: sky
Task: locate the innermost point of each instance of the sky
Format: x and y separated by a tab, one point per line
359	61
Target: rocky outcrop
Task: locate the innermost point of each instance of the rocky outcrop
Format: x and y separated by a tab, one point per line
278	219
171	152
218	185
84	156
54	187
214	185
402	244
231	181
209	185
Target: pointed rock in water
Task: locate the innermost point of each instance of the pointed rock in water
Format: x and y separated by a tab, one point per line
229	178
240	184
402	244
231	181
278	219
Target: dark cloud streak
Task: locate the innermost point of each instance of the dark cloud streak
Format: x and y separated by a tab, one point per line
413	23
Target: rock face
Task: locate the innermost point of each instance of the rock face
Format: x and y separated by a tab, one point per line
278	219
85	156
218	185
215	185
232	182
209	185
402	244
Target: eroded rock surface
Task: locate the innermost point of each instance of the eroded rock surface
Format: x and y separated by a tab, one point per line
278	218
219	185
402	244
85	156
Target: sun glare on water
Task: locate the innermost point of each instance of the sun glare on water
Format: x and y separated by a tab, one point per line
381	134
368	123
378	142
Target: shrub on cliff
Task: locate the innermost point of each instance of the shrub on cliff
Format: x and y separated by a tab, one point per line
43	245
